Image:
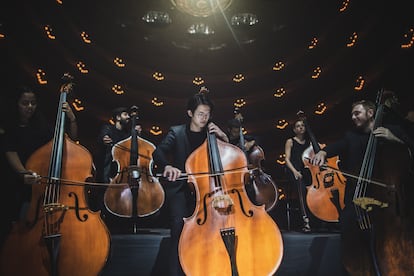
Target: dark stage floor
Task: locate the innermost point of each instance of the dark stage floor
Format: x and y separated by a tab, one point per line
145	253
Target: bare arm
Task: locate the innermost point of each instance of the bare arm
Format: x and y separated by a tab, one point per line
288	152
15	162
29	177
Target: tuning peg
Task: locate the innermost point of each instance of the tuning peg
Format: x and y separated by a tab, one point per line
67	77
134	111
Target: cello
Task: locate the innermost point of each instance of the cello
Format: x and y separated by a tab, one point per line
59	235
384	230
260	186
134	191
325	196
226	234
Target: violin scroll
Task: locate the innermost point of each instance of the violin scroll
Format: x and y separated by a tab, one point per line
67	83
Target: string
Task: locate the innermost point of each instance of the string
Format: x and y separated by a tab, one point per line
119	146
368	166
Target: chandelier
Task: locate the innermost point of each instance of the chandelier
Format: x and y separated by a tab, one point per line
201	8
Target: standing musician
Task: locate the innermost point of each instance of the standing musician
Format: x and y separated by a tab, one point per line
233	132
170	157
234	136
351	149
294	148
28	131
109	135
259	186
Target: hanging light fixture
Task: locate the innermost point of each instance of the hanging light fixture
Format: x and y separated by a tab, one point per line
200	29
157	17
201	8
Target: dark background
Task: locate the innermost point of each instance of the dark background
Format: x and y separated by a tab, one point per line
283	33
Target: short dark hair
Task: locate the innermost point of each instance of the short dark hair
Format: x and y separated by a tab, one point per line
118	111
366	104
199	99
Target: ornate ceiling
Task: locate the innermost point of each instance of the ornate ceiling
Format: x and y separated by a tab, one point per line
271	58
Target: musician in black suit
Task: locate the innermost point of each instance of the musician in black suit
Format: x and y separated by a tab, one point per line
170	157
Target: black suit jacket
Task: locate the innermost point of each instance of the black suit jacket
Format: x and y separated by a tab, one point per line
173	150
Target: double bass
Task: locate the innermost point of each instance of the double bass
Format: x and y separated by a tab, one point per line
325	196
384	231
226	234
134	191
59	235
260	186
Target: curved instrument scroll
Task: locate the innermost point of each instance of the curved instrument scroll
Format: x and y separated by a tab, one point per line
325	196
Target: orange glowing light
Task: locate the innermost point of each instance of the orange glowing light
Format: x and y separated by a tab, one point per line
158	76
352	40
282	124
198	80
77	104
119	62
157	102
85	37
344	5
238	78
40	75
359	83
82	67
117	89
281	160
280	92
313	43
48	31
239	103
320	109
278	66
316	72
409	37
155	130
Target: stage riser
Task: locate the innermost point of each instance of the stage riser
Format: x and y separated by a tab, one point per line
147	255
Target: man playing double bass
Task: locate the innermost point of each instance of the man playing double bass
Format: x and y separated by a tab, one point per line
373	260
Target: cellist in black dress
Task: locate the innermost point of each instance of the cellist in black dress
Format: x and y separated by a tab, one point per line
28	129
294	148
